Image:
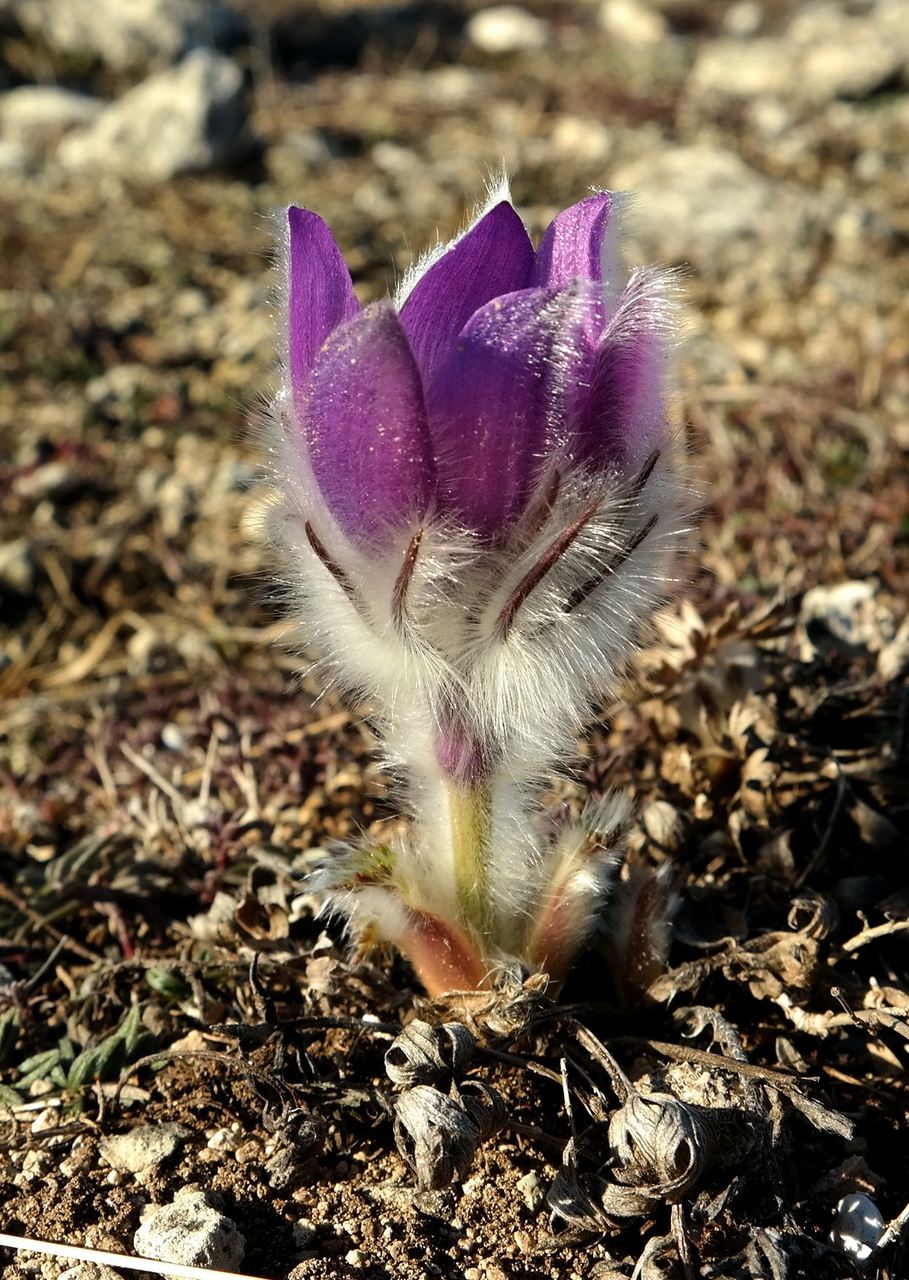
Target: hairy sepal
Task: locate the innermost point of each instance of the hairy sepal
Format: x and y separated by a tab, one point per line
579	869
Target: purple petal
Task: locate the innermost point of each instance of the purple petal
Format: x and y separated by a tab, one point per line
320	293
364	421
575	244
493	258
625	414
501	403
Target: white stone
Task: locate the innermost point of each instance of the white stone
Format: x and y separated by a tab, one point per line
190	117
17	565
304	1233
633	23
38	114
506	28
89	1271
124	35
743	19
532	1191
824	54
583	138
692	203
841	55
17	160
742	68
143	1147
192	1232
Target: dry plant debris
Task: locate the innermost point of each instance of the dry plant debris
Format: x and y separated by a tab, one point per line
168	770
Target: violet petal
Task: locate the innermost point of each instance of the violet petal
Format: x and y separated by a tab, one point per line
320	292
364	421
499	406
625	415
576	244
493	258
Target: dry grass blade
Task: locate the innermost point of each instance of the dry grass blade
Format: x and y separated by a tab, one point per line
103	1257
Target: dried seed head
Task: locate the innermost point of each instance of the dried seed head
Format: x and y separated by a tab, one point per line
423	1054
435	1136
662	1146
577	1199
485	1106
813	913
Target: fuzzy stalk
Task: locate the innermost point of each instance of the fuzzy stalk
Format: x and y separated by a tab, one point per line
470	820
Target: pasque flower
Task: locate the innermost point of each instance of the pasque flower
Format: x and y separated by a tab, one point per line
478	506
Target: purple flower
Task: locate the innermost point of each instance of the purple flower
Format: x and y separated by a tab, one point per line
478	507
500	365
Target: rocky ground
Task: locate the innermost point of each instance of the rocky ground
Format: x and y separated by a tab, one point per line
166	777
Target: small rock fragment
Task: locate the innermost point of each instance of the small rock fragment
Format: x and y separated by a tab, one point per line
140	34
17	565
36	115
303	1233
582	138
701	201
506	28
89	1271
532	1192
633	23
144	1147
191	117
192	1232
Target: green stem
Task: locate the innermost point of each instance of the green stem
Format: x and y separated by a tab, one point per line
470	812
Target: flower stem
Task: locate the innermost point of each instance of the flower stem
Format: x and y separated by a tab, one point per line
470	814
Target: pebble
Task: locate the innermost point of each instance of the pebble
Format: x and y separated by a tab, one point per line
824	54
506	28
303	1232
743	19
532	1191
142	1148
17	565
35	115
129	36
192	1232
219	1139
581	138
186	119
49	1118
699	202
633	23
89	1271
